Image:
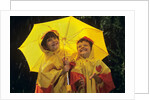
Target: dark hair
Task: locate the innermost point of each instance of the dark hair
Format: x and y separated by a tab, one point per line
83	39
48	35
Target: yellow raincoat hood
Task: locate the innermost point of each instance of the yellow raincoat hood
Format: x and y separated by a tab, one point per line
42	37
51	68
87	66
46	53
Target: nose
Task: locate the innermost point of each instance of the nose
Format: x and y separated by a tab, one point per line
82	47
53	40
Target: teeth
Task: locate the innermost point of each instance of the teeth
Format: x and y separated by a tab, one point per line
55	44
83	50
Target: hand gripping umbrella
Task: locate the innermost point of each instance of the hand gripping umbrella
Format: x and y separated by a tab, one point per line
70	31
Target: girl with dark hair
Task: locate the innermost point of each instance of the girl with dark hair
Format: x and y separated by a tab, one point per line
52	72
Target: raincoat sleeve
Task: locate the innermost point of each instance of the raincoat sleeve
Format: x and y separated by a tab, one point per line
49	75
39	89
75	76
104	73
47	78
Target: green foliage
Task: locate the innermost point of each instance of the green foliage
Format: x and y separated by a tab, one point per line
114	34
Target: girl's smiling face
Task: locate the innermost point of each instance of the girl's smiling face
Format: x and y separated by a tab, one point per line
52	44
84	49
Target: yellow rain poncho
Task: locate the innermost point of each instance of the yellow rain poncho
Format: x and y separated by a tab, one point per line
48	64
85	68
51	66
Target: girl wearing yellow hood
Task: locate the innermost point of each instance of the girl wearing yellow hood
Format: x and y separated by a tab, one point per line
52	73
90	75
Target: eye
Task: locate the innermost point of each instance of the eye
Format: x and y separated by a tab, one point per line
56	39
49	39
79	46
85	45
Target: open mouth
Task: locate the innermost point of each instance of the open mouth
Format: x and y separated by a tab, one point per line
54	44
84	49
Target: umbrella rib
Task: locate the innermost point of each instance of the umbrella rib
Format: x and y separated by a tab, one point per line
36	40
67	32
50	28
100	48
36	62
47	25
77	34
28	44
68	27
70	46
74	35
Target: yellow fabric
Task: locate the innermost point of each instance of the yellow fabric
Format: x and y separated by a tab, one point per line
50	71
50	67
69	88
49	64
87	67
70	31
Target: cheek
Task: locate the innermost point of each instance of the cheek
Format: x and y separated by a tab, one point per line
49	44
78	51
89	49
58	43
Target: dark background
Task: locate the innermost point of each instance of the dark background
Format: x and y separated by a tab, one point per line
23	81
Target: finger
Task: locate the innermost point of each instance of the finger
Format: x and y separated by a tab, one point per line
68	67
91	76
63	59
80	87
82	83
81	78
66	58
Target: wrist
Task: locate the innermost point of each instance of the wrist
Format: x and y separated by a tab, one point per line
62	72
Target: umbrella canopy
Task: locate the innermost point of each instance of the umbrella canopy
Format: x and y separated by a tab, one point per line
70	31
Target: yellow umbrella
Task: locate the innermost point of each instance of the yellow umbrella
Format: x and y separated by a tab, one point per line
70	31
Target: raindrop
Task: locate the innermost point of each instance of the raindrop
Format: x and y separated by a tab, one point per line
19	77
20	65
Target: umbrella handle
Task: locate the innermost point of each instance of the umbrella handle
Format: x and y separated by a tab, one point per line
67	79
68	87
